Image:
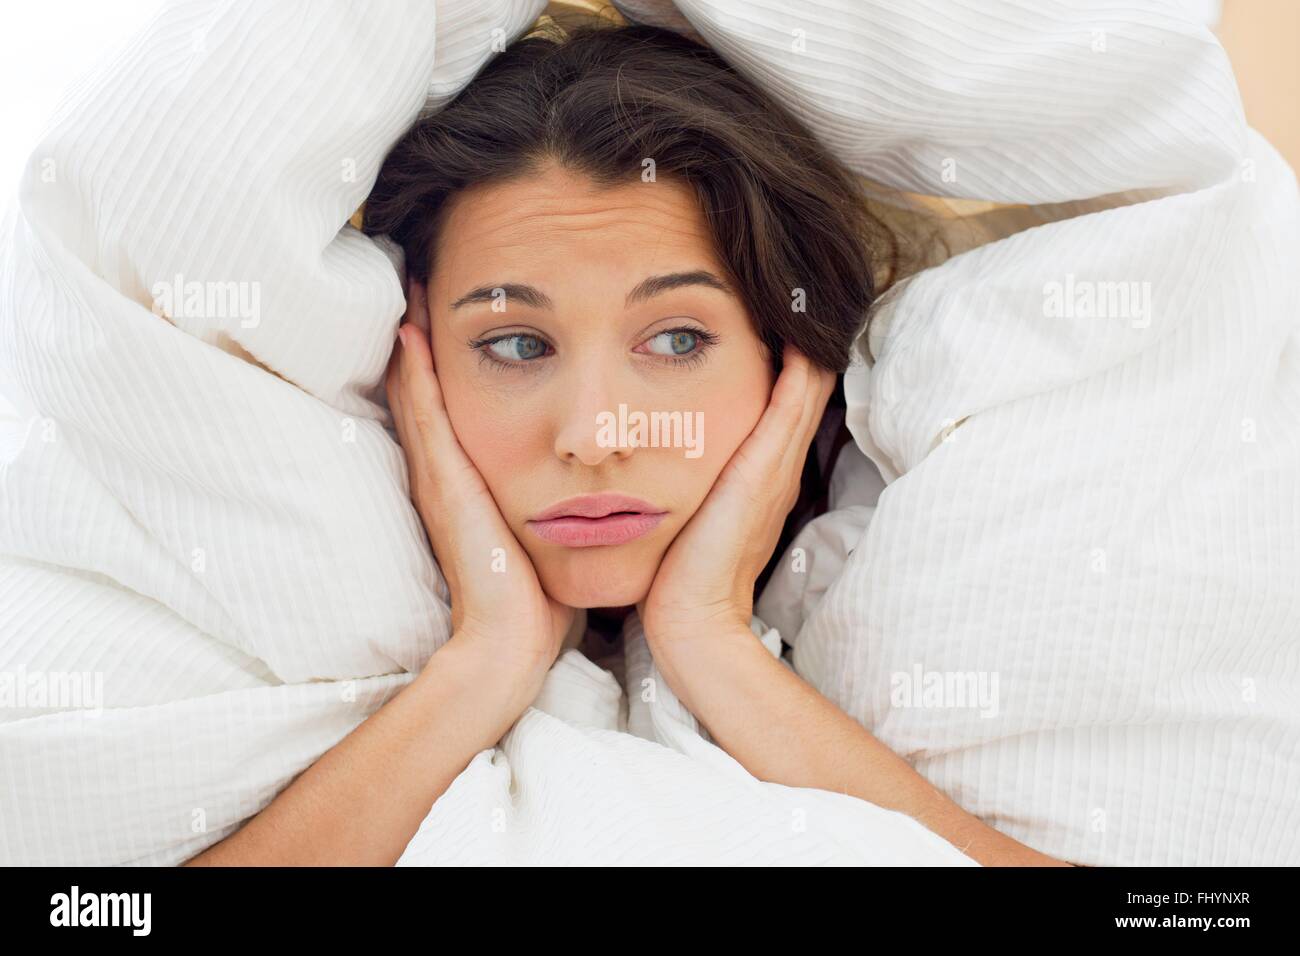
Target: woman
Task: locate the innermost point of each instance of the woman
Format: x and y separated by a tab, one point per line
613	220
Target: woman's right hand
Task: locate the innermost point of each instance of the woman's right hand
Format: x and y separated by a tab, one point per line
505	611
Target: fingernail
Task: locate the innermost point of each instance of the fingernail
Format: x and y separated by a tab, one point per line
401	334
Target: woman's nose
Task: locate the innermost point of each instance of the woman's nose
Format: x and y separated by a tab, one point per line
587	430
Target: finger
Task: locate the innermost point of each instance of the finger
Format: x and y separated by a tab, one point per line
418	380
423	403
817	387
763	458
418	306
418	447
392	385
778	447
434	456
821	384
787	403
796	446
813	387
790	408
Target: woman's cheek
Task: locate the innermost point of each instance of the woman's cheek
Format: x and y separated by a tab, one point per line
728	423
496	439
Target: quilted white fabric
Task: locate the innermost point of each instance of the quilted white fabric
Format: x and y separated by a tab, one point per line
1090	429
207	541
1100	511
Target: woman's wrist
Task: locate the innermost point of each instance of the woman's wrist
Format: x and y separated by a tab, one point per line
664	634
783	730
499	687
686	654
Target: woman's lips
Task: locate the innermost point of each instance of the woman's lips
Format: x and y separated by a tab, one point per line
577	532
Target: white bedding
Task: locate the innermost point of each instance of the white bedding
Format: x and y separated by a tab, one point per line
1100	512
208	518
210	514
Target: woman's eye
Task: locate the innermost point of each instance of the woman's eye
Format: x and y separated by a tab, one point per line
517	348
683	346
675	342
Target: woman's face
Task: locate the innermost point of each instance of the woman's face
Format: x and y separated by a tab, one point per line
560	309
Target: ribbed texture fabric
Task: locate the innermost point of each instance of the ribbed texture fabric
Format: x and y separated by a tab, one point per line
1006	100
592	775
1102	513
208	514
204	517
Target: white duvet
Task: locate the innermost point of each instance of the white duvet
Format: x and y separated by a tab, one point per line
205	516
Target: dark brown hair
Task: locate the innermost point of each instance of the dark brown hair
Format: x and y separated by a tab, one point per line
601	100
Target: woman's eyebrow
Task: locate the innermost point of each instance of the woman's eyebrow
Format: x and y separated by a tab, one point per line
645	289
527	294
655	285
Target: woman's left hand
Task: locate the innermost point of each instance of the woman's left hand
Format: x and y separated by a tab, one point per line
706	579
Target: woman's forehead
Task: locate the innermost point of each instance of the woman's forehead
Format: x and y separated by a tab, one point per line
559	208
621	234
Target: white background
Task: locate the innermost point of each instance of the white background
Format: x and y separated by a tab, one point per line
44	46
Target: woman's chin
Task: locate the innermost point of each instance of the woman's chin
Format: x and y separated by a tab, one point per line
585	596
597	581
